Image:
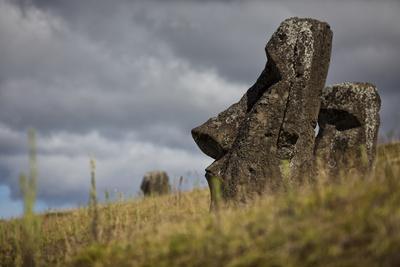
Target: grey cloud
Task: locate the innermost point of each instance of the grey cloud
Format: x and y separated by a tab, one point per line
63	163
230	37
69	80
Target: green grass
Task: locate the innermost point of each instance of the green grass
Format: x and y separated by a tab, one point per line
351	222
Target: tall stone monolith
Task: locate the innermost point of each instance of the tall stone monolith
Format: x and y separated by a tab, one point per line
275	120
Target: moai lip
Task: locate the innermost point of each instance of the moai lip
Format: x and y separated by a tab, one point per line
349	123
278	123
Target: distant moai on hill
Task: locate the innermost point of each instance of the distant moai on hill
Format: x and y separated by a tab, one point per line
274	123
155	183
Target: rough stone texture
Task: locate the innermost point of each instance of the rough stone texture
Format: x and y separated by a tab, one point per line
155	183
277	123
216	136
349	124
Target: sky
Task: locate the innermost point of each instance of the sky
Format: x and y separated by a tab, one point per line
125	81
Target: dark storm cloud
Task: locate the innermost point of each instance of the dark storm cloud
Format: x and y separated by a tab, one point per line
125	81
81	71
230	37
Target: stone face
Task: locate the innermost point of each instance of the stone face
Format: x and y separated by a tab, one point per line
277	121
349	124
216	136
155	183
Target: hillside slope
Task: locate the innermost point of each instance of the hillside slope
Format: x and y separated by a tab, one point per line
352	222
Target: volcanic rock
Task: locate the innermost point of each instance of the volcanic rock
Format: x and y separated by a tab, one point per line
216	136
349	123
275	120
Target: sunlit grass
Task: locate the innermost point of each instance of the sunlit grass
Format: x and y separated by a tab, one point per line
351	222
27	232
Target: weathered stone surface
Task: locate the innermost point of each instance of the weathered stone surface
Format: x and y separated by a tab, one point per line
155	183
349	124
216	136
278	122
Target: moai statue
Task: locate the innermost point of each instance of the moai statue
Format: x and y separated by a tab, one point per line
349	124
275	120
155	183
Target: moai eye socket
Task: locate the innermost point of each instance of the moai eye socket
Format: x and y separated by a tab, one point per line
343	120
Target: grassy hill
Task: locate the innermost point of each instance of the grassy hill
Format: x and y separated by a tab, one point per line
352	222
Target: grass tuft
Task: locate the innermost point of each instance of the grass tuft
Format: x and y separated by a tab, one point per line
28	232
93	206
